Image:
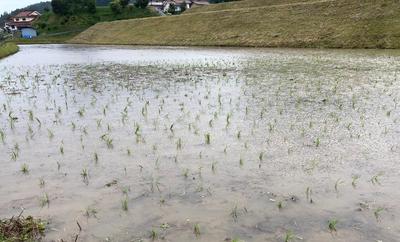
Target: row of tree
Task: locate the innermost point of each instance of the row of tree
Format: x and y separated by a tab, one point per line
66	7
117	6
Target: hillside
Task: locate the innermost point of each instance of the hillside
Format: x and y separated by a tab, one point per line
264	23
50	23
54	28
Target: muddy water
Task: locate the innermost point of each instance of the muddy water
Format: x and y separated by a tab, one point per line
142	144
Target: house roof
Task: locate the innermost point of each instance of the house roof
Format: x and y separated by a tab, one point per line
26	14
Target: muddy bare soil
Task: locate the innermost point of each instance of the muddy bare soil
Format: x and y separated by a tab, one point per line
202	144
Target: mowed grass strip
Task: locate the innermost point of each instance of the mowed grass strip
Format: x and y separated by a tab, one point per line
322	24
242	4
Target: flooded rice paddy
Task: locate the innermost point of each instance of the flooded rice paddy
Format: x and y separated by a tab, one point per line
192	144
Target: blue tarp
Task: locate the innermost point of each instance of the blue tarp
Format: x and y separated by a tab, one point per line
28	33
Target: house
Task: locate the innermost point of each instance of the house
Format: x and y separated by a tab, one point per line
23	22
180	5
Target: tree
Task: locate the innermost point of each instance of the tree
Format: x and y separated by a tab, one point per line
66	7
171	9
183	7
141	3
124	3
116	6
60	7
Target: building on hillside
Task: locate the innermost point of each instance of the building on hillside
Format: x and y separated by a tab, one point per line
23	22
180	5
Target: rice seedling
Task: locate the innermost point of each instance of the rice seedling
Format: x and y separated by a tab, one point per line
337	183
39	122
50	134
90	212
12	120
179	144
14	155
109	142
317	142
234	213
354	180
30	115
85	176
45	201
208	138
309	195
377	213
237	240
96	157
153	234
289	236
82	111
280	205
25	169
42	183
375	179
125	204
332	225
186	173
62	149
261	156
196	230
98	122
2	136
214	166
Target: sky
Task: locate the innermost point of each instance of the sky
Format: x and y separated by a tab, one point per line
9	5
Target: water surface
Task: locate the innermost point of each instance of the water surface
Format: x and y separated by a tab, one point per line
147	143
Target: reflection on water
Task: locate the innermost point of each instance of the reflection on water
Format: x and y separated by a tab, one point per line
205	144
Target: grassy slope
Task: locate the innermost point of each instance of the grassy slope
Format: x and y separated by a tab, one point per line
334	24
57	29
7	49
241	4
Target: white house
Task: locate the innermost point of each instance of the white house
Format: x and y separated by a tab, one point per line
163	6
23	22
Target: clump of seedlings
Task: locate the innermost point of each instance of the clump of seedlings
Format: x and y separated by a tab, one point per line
289	236
332	225
196	230
375	179
22	229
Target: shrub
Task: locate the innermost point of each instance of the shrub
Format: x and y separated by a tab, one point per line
141	3
116	6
